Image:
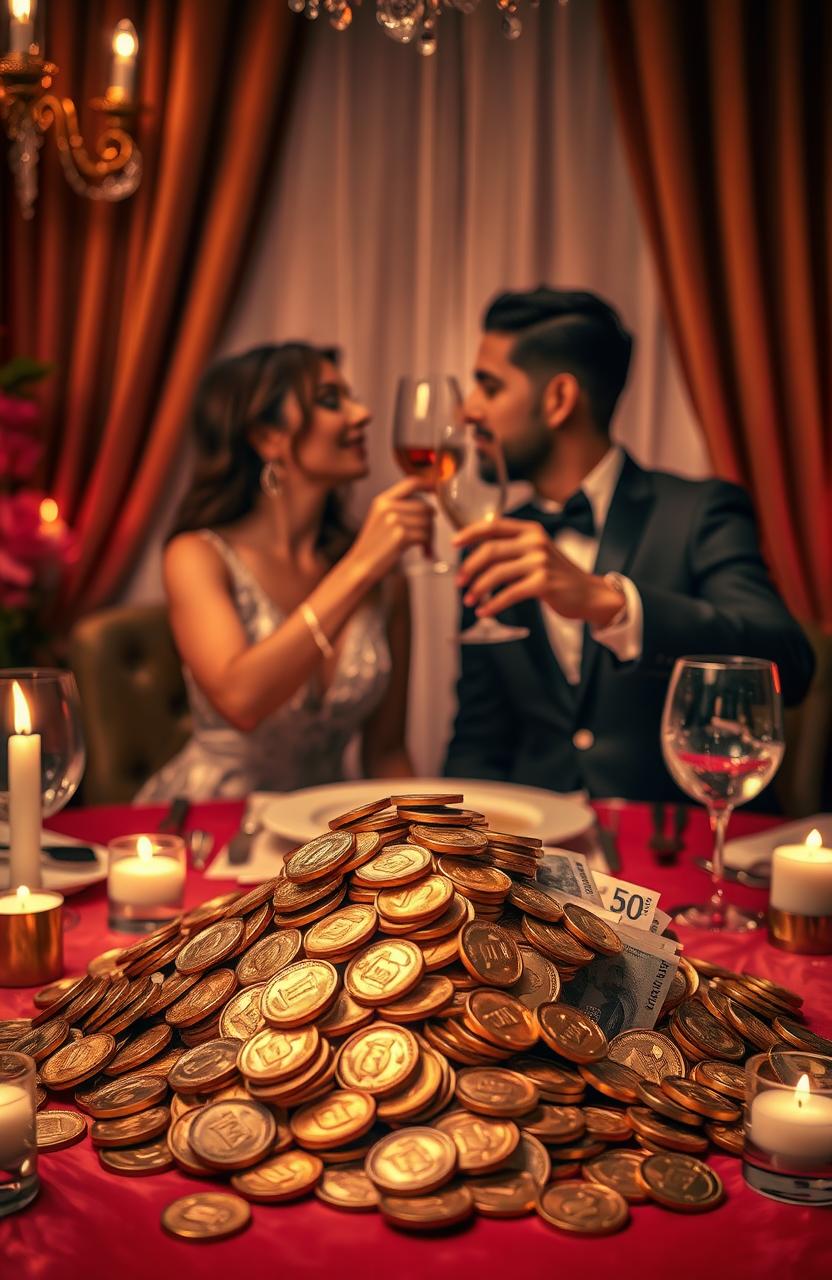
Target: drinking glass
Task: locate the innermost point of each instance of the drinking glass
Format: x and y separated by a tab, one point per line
425	408
722	741
472	485
18	1135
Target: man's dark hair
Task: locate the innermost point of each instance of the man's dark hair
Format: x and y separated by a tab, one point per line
567	331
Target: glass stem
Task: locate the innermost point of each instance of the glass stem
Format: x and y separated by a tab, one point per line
719	819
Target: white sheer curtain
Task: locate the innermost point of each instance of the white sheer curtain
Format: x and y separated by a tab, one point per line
410	191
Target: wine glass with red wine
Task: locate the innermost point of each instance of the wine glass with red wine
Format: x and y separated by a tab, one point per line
425	408
722	741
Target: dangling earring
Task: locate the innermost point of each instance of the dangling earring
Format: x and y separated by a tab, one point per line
271	481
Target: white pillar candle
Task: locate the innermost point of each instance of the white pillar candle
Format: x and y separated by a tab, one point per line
801	877
21	25
17	1125
123	66
23	902
148	879
796	1124
24	796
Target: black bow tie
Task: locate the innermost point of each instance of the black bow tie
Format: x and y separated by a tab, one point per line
576	514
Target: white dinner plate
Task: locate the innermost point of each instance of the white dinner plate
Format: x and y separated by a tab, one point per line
302	815
61	876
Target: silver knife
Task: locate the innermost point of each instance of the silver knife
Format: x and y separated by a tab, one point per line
174	819
239	846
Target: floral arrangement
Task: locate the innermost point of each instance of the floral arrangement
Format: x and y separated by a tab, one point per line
35	543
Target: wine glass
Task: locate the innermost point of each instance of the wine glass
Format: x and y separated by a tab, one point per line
722	741
425	407
472	484
44	702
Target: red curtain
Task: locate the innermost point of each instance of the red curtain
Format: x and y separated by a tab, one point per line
127	300
726	109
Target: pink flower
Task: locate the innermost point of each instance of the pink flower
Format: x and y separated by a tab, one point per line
19	454
18	413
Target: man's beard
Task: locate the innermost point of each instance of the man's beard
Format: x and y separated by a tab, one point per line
525	456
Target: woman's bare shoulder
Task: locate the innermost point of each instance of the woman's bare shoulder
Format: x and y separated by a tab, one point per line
189	554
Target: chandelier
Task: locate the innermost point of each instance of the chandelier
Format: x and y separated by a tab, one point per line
28	109
412	21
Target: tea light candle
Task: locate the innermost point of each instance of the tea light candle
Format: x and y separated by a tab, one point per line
17	1122
796	1124
24	796
148	879
31	937
801	877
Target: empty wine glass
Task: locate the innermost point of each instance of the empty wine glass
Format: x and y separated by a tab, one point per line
425	408
722	741
471	485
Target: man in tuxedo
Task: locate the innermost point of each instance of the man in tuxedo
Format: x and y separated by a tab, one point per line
616	571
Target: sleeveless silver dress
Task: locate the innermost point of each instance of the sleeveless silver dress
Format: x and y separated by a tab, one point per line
302	743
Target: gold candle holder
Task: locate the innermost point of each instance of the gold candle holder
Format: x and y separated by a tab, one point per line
31	937
805	935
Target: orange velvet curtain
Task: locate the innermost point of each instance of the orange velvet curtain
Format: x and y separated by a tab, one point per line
726	108
127	300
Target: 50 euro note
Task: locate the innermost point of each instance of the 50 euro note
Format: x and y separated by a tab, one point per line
629	989
563	873
633	902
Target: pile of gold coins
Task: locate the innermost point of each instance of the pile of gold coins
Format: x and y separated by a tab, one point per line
381	1026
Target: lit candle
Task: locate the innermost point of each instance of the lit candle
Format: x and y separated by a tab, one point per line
21	25
17	1125
31	937
24	902
148	879
123	66
801	877
24	796
795	1124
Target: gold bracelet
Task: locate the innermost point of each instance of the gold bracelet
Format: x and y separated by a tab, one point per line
310	617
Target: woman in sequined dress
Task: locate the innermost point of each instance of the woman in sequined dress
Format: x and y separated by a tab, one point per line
294	632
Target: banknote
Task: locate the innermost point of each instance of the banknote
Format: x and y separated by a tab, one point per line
636	904
563	871
629	989
661	919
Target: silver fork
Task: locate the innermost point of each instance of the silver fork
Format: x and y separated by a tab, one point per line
201	843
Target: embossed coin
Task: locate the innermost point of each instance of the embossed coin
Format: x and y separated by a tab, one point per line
425	900
421	1092
241	1018
140	1050
555	942
501	1019
490	954
571	1033
347	1187
583	1208
289	897
343	930
299	993
233	1134
344	1016
619	1170
320	858
507	1194
535	902
649	1053
591	930
606	1124
397	864
206	1215
379	1059
278	1055
539	982
123	1097
287	1176
211	946
697	1097
480	882
728	1137
339	1118
445	1207
129	1131
612	1079
58	994
434	992
203	999
267	956
58	1129
681	1182
801	1037
412	1161
138	1162
654	1096
556	1083
459	841
554	1125
39	1042
750	1027
206	1067
384	971
496	1091
724	1077
77	1062
663	1133
357	814
709	1035
483	1143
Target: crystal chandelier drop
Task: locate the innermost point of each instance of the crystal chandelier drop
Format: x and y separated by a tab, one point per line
413	22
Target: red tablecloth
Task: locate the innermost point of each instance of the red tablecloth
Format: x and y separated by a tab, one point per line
91	1224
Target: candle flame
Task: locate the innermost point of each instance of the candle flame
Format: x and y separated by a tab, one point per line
422	400
144	848
22	896
802	1090
814	840
22	716
125	40
48	511
21	10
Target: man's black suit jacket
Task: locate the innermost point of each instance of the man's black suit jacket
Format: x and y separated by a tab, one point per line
691	549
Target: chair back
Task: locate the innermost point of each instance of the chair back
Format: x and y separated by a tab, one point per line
804	782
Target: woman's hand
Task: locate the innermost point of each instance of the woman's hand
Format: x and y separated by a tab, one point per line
397	520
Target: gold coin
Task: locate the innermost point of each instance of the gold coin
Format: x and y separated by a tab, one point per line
426	800
772	989
339	1118
501	1019
591	930
203	999
277	1055
583	1208
699	1098
206	1215
138	1162
751	1028
444	1208
206	1067
412	1161
475	878
649	1053
450	921
535	902
654	1096
531	1155
464	840
439	954
417	903
344	1016
170	990
315	912
676	993
555	1083
360	812
367	845
496	1091
505	1194
723	1077
555	942
320	858
554	1125
612	1079
287	1176
379	1059
419	1093
539	982
241	1018
434	992
619	1170
211	946
207	913
140	1050
664	1133
233	1134
801	1037
347	1187
681	1182
398	864
483	1143
123	1097
77	1062
106	962
57	995
299	993
58	1129
603	1122
142	999
130	1131
180	1145
289	897
344	930
490	954
301	1086
728	1137
384	971
41	1041
709	1035
571	1033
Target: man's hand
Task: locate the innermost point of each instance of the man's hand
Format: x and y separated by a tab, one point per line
516	560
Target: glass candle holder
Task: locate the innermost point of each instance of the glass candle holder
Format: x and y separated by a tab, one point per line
788	1126
31	937
18	1133
145	881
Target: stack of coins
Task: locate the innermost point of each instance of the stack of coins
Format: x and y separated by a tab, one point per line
381	1026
